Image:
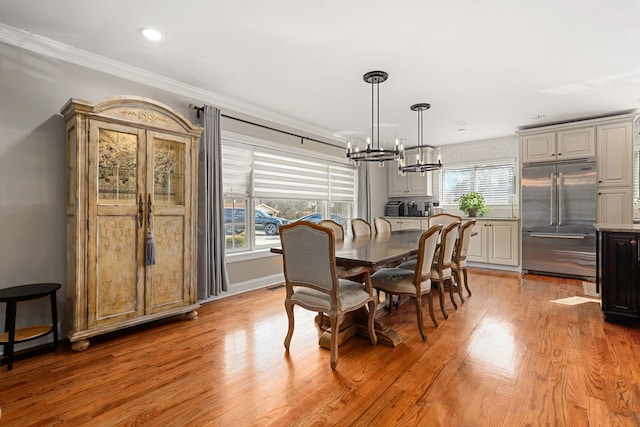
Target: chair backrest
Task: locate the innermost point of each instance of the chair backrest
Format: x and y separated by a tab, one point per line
443	219
464	237
308	254
426	252
338	231
447	245
360	227
381	225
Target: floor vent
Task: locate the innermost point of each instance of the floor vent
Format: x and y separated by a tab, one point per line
275	288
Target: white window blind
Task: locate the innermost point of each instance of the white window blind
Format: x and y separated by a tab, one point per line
342	180
495	181
280	176
236	165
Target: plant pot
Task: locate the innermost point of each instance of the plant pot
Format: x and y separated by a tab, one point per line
472	213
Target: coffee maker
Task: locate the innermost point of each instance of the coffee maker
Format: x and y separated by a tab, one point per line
412	209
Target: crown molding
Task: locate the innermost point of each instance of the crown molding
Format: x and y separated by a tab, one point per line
51	48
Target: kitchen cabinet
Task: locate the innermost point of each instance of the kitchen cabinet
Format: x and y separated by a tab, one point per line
564	144
496	242
615	205
131	175
615	155
404	223
411	184
619	274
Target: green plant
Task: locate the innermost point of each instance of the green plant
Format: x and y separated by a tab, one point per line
471	203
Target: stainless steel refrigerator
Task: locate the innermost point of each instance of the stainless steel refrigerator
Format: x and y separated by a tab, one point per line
558	214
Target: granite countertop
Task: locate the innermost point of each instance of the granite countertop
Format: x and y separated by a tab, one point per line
623	228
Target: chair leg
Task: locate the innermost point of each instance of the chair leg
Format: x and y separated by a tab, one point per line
371	321
288	306
458	283
450	280
466	280
433	317
336	319
419	315
441	296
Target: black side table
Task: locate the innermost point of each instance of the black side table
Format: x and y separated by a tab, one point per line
11	296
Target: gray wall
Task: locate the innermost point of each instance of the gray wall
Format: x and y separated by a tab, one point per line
33	164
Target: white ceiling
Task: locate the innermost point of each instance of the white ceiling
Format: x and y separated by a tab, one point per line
494	64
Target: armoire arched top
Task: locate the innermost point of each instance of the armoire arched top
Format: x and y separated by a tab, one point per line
145	112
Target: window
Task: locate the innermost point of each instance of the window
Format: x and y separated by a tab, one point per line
278	187
495	181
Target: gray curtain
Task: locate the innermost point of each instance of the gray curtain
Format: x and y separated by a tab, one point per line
212	269
364	192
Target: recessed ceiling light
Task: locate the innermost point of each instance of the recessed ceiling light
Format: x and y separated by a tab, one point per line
538	116
151	34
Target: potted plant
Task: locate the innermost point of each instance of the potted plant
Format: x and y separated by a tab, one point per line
472	204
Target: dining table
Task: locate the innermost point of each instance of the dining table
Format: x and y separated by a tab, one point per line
372	252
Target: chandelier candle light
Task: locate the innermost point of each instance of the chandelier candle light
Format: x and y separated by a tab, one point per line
420	165
375	150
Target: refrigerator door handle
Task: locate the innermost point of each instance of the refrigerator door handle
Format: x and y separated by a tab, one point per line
551	207
559	236
560	190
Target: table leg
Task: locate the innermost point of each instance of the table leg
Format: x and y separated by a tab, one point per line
10	327
54	319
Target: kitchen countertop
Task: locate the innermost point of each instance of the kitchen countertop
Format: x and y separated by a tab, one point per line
622	228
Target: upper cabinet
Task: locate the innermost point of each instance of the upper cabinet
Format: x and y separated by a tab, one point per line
559	145
411	184
615	155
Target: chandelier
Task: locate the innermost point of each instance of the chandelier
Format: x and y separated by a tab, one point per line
375	150
421	165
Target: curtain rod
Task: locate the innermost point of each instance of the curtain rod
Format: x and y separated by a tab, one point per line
302	138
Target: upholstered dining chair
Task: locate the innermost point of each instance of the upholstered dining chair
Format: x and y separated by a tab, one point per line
381	225
443	219
398	281
338	234
311	280
338	231
441	272
360	227
459	264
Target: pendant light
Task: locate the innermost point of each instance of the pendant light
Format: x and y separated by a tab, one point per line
421	165
375	150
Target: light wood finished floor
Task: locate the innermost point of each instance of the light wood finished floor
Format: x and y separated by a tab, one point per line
507	357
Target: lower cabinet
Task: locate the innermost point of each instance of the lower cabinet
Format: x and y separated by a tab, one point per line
496	242
615	206
404	223
619	275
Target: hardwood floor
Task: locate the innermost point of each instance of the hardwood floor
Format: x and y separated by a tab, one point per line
507	357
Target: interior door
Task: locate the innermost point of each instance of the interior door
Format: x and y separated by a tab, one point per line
115	228
168	213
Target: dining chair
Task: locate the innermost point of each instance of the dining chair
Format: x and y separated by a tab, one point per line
311	280
443	219
338	234
381	225
459	264
338	231
398	281
441	272
360	227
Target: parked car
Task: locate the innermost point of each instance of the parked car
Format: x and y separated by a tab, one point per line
235	221
316	217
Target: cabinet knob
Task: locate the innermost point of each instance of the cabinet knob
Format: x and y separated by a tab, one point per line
633	242
559	154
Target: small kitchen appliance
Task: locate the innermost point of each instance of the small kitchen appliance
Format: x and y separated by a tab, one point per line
394	208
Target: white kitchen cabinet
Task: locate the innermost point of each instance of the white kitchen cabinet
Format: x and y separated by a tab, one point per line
496	242
615	155
615	205
567	144
412	184
404	223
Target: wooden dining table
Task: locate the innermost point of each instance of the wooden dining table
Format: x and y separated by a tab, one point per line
374	252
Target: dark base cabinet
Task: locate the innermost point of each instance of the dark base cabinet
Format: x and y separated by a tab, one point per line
619	276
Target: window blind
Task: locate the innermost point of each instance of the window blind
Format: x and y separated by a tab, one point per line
236	165
495	181
279	176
